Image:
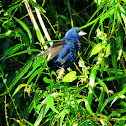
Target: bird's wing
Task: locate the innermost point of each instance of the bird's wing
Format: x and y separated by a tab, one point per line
64	55
52	51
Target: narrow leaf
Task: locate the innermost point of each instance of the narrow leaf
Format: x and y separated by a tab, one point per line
25	28
41	115
119	95
51	103
37	6
38	71
106	102
18	88
18	76
25	51
13	49
12	8
91	82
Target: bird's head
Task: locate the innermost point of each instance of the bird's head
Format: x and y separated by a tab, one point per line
74	33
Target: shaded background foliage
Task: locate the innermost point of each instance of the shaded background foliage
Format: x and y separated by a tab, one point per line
103	62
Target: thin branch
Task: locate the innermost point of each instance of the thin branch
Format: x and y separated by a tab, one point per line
35	23
43	25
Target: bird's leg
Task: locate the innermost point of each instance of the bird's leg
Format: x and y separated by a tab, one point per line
69	69
60	72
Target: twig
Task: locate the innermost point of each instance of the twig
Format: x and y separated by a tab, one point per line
35	23
43	25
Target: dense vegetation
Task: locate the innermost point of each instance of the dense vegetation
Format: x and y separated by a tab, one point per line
92	92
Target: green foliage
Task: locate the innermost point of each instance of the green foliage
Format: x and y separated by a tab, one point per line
92	93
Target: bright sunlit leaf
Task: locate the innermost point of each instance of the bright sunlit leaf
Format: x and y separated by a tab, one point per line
70	77
96	49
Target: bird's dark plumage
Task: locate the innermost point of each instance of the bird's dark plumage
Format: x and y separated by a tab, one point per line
64	52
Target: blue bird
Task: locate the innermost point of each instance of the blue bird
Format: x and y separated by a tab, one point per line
63	53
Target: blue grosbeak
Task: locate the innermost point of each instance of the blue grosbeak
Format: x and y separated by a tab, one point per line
63	53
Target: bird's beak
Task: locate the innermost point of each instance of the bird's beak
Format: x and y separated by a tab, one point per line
81	33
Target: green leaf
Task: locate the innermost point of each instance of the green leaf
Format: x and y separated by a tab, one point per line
6	34
90	23
101	100
35	65
37	6
123	104
91	82
119	40
106	102
92	29
28	122
18	88
108	13
123	14
38	34
114	77
99	8
22	35
51	103
107	48
103	85
18	76
25	28
87	105
96	49
41	115
119	95
124	1
46	80
16	33
34	104
62	115
70	77
25	51
86	123
12	8
13	49
37	72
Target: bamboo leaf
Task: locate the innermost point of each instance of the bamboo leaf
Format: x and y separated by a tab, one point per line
37	72
36	64
13	49
23	52
25	28
12	8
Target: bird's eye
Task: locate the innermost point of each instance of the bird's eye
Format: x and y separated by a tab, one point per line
77	31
